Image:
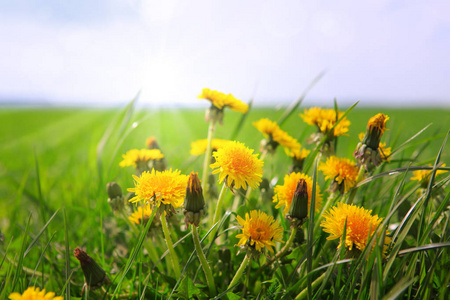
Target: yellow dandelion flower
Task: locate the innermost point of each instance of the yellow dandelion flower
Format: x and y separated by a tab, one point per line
424	175
215	97
299	153
325	119
237	164
135	156
221	100
141	213
167	187
360	225
259	231
284	193
272	131
266	126
342	171
235	104
34	293
198	147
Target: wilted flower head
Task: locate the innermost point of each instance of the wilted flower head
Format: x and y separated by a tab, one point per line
360	225
194	203
237	166
275	136
218	102
259	231
368	151
140	158
285	193
94	275
34	293
341	171
155	187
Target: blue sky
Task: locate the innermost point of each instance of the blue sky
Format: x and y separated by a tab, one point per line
103	52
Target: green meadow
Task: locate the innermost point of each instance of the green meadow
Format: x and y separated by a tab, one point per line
55	164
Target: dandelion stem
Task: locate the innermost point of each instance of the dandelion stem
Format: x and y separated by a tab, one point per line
218	212
204	262
358	179
316	282
173	254
239	273
331	200
211	129
150	248
280	253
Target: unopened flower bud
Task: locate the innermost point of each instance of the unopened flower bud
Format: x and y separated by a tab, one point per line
299	205
194	204
114	190
94	276
115	200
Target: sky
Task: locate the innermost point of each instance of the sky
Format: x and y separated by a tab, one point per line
103	52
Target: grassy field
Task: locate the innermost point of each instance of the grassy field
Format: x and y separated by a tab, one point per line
55	164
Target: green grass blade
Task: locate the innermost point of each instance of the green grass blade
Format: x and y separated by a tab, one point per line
311	227
241	122
40	258
122	118
39	234
399	288
19	266
409	140
291	109
134	254
67	255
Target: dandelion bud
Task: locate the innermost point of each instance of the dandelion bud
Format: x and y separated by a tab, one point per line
368	151
94	276
115	200
114	190
299	205
194	204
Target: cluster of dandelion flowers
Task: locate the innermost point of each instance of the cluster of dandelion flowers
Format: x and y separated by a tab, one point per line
360	225
167	187
238	166
284	193
259	231
135	156
198	147
34	293
221	100
325	119
341	171
276	135
141	213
